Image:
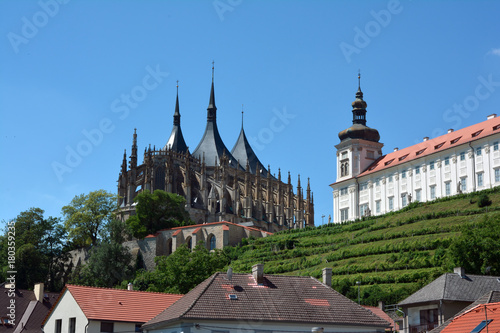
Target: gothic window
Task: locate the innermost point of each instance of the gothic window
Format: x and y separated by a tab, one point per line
212	242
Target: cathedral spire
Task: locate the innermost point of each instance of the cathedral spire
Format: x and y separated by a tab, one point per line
212	109
133	156
176	140
177	115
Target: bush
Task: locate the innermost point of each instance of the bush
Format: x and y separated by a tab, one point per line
483	201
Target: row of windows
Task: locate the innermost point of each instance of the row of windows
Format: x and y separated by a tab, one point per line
364	209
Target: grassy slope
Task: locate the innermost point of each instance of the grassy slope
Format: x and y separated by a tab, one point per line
392	255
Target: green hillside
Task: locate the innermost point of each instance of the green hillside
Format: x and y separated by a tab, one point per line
391	255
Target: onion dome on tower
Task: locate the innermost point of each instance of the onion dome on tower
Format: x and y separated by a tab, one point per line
176	140
359	130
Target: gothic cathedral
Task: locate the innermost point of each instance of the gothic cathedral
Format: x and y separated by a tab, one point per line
218	185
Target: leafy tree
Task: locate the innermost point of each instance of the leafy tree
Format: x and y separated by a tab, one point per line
110	261
87	215
476	250
39	244
182	270
156	211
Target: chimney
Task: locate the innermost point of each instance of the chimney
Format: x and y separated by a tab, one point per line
491	116
130	286
381	305
38	290
460	271
450	130
258	273
396	149
426	138
327	276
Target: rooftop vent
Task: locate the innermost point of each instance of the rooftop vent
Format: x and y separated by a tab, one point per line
450	130
258	273
130	286
426	138
491	116
396	149
327	276
460	271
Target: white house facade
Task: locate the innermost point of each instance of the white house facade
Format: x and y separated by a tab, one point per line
369	183
99	310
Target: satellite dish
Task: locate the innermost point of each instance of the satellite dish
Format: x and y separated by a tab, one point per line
229	273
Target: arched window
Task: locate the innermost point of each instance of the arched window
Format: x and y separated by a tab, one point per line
212	242
189	243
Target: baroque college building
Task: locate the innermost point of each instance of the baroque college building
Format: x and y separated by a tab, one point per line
369	183
218	184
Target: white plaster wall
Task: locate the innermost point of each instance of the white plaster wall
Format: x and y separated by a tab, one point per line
66	308
414	313
256	327
473	164
95	327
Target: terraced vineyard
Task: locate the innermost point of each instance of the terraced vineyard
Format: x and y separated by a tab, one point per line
392	255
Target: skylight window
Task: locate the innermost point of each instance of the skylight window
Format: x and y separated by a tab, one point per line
481	325
233	296
455	140
476	133
439	145
389	162
496	127
403	157
420	151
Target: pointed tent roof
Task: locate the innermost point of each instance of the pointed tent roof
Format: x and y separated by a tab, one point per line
211	143
176	140
244	153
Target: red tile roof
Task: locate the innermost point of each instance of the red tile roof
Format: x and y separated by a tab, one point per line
467	321
379	312
433	146
288	299
119	304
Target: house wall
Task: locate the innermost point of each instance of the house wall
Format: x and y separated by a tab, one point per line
256	327
390	182
65	309
95	327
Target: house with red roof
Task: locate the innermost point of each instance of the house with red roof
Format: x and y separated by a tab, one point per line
91	309
370	183
481	318
257	302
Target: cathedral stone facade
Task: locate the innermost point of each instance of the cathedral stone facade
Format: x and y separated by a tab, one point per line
218	184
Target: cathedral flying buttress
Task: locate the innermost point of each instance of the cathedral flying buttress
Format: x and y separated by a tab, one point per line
218	184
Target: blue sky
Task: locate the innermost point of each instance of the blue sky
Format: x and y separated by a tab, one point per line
65	66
